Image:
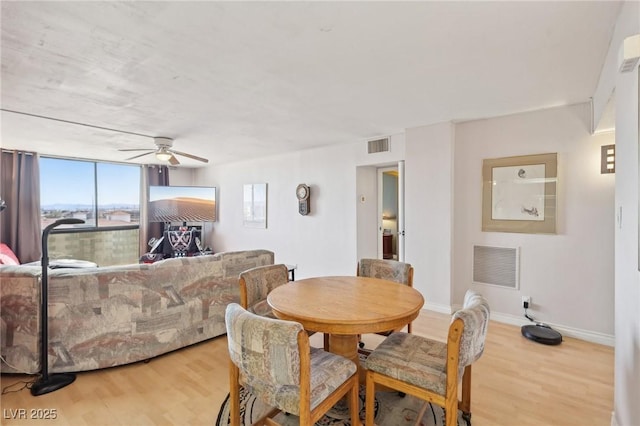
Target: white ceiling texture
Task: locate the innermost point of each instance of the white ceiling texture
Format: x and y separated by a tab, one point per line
236	80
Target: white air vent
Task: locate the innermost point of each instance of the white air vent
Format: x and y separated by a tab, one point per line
498	266
629	53
628	65
378	145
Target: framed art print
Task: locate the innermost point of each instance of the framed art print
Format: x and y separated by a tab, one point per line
519	194
255	205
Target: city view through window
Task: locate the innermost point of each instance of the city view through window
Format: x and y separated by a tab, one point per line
101	194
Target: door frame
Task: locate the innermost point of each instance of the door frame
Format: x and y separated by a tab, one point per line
399	231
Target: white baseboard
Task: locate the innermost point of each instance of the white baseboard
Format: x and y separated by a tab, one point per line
589	336
443	309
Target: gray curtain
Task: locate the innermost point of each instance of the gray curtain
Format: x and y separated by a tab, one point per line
151	175
20	188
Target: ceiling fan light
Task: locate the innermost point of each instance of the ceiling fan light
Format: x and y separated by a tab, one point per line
163	155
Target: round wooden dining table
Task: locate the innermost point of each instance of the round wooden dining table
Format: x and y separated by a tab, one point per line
346	306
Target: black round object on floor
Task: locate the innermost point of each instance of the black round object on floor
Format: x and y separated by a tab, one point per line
542	334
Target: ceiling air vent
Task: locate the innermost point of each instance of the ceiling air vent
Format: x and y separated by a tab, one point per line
628	65
496	266
629	53
378	145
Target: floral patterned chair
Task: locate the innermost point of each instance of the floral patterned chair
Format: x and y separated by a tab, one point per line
255	286
257	283
429	369
272	359
386	269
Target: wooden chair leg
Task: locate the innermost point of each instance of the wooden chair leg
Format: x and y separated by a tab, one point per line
234	395
451	408
465	404
369	399
354	406
326	342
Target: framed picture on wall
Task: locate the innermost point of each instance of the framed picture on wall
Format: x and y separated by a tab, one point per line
255	205
519	194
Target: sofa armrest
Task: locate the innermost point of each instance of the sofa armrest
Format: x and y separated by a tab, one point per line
20	318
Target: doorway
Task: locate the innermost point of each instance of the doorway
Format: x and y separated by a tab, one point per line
388	213
369	211
391	212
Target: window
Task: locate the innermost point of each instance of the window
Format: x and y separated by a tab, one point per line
101	194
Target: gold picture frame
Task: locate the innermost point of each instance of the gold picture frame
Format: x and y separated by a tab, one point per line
519	194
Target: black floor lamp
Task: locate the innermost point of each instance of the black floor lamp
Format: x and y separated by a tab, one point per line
49	383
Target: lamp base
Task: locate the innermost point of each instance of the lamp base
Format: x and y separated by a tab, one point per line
51	383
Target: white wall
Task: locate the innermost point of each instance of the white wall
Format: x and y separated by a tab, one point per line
569	275
627	277
325	241
627	370
627	354
428	211
367	212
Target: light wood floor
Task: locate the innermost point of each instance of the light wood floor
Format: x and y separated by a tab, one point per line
516	382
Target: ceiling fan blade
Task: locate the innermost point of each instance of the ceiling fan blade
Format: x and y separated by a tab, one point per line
134	149
193	157
173	160
140	155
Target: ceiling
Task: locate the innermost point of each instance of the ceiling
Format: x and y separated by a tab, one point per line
236	80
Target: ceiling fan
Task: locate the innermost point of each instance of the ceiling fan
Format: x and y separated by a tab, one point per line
164	152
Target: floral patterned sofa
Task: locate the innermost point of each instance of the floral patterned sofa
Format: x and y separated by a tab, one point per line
108	316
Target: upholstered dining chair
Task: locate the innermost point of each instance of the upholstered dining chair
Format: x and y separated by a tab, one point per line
386	269
272	360
256	284
429	369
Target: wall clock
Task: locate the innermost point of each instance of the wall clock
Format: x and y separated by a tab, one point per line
303	192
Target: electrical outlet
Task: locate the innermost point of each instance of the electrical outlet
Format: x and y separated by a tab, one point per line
526	301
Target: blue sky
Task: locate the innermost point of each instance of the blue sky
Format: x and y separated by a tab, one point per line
72	182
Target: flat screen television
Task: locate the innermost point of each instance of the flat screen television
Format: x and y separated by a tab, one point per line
182	204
